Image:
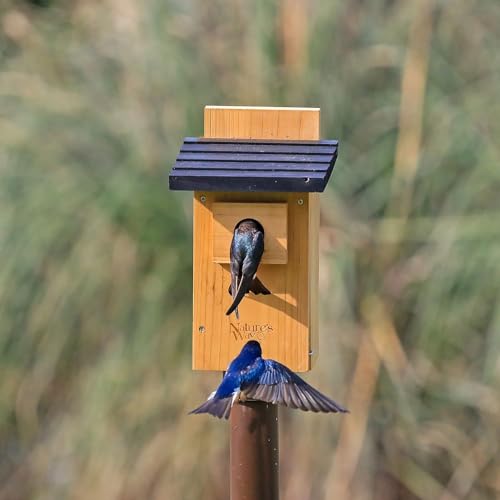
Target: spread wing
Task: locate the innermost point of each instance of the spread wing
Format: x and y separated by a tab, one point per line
279	385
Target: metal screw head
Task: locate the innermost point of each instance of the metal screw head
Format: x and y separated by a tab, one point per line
201	329
203	198
300	201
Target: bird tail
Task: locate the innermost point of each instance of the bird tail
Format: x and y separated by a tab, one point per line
233	291
258	287
220	408
243	287
246	285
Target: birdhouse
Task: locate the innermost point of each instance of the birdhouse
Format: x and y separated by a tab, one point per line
265	164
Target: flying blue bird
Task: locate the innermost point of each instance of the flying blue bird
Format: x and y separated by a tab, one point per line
247	247
251	377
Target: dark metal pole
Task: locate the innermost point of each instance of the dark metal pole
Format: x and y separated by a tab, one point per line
254	452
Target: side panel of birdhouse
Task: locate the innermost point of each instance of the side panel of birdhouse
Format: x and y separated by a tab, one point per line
285	322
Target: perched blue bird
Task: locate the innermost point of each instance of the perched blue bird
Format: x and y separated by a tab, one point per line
251	377
247	247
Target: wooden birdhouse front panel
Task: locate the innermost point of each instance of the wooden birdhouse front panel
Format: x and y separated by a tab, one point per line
285	322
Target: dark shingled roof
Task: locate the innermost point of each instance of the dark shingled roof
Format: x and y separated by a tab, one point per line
253	165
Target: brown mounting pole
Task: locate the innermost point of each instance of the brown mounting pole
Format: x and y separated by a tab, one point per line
254	454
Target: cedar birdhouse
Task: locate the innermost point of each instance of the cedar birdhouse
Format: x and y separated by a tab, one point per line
267	164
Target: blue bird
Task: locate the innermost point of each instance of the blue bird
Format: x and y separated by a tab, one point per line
251	377
247	247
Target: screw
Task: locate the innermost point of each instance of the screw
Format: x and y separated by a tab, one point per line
203	198
201	329
300	201
311	353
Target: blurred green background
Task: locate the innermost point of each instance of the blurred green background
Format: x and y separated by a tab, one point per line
95	252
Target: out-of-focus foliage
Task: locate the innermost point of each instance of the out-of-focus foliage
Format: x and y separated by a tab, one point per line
95	251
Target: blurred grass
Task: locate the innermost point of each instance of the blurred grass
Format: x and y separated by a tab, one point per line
95	294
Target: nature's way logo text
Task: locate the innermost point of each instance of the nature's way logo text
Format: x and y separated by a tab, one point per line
249	331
